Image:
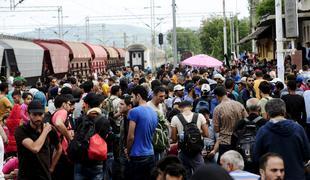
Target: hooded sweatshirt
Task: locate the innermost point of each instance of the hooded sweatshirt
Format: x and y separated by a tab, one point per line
288	139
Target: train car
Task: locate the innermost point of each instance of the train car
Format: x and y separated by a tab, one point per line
121	57
56	58
80	58
22	56
140	55
99	58
113	58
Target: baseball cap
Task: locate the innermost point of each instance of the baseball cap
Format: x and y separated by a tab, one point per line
35	106
178	88
218	76
205	87
299	79
189	86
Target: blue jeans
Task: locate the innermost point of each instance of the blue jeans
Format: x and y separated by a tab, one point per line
191	164
88	172
139	168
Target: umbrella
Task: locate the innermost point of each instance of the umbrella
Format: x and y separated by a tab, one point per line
202	60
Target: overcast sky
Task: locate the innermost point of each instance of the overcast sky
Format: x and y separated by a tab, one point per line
189	12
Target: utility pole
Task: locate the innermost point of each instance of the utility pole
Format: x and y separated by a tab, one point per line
237	35
279	39
125	40
175	51
59	22
87	29
231	34
102	30
224	29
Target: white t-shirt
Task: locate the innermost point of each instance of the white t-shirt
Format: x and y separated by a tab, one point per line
175	122
160	109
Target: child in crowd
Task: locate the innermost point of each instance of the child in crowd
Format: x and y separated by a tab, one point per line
27	98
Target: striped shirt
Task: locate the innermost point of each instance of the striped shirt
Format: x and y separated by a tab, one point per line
243	175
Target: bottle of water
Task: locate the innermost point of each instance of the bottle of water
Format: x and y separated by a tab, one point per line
181	137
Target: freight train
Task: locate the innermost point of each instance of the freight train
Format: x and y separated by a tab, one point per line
35	58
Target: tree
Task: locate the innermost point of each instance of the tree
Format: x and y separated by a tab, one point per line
187	40
265	7
211	36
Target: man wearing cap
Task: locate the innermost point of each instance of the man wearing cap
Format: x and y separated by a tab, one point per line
178	93
34	141
191	163
219	79
190	96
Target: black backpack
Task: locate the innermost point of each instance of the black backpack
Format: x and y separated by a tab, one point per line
192	143
246	139
78	147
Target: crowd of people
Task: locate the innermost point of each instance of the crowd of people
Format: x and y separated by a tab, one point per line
173	123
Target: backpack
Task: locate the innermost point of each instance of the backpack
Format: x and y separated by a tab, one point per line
160	137
202	104
246	139
192	144
109	105
87	144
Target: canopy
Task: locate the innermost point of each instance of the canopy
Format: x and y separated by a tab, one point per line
202	60
254	35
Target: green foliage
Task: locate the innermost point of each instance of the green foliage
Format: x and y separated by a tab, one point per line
187	40
244	30
265	7
211	36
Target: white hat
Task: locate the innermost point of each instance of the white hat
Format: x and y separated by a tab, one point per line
205	87
67	85
218	76
276	80
178	88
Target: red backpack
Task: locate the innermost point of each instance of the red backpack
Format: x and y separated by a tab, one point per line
98	149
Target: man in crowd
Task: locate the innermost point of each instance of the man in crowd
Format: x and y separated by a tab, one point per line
295	104
226	115
284	137
271	167
142	124
125	105
248	126
92	120
34	142
265	91
248	92
5	104
190	161
60	119
258	80
233	163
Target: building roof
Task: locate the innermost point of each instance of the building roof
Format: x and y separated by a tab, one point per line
254	34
